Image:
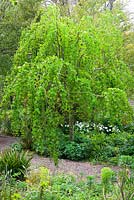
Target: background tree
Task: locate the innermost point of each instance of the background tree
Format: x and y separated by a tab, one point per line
14	17
129	48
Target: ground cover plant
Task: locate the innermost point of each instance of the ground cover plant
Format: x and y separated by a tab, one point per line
97	143
39	184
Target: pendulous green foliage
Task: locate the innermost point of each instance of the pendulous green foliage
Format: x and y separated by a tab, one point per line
64	71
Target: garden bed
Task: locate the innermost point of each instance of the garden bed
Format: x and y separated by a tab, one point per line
79	169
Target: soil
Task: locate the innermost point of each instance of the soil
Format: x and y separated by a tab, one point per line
6	141
79	169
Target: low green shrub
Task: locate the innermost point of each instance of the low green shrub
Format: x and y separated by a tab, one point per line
74	151
101	150
14	162
110	147
126	161
128	147
97	146
78	149
17	146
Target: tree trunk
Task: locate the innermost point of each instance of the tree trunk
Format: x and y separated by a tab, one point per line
71	127
111	4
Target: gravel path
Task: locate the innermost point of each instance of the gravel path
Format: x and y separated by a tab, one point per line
79	169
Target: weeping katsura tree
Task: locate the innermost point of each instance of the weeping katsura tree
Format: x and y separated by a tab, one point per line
66	70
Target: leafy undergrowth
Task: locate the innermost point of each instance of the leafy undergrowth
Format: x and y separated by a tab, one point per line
39	184
97	147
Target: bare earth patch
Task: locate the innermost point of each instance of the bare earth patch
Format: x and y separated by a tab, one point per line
6	141
80	169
